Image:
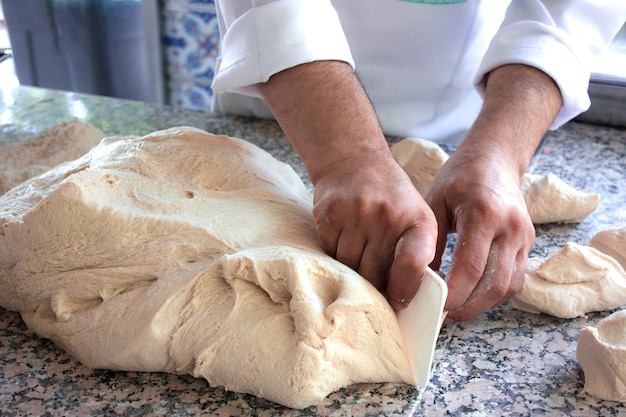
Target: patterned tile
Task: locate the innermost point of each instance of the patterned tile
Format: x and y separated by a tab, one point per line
190	41
189	94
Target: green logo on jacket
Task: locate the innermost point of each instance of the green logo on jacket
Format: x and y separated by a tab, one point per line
435	1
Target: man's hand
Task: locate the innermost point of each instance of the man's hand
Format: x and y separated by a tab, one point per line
476	193
368	214
481	201
371	218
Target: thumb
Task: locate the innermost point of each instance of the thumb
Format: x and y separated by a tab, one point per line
414	251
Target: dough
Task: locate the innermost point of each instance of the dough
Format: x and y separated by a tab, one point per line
572	282
612	242
551	200
25	159
421	160
548	198
601	352
187	252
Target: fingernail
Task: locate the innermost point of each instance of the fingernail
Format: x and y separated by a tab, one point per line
398	245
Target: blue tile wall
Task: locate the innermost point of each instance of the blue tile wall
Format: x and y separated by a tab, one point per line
190	40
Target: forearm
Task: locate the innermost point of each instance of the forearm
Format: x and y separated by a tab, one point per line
519	107
325	113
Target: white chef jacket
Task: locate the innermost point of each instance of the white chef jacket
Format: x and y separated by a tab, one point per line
422	62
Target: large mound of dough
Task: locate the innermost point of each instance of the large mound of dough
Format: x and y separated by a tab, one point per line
601	352
23	160
187	252
572	282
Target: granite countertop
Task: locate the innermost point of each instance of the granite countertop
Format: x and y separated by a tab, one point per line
505	362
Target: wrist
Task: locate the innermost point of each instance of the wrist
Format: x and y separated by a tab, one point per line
519	106
324	111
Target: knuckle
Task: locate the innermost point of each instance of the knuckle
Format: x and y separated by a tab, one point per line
473	267
520	225
386	214
499	289
485	208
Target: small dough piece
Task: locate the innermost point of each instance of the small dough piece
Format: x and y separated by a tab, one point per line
572	282
187	252
421	160
601	353
25	159
612	242
551	200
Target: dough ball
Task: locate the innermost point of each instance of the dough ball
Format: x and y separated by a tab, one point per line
420	159
601	352
551	200
612	242
187	252
22	160
572	282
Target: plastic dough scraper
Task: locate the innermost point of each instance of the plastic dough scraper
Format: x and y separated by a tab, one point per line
420	324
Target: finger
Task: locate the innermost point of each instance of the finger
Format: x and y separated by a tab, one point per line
502	279
493	286
518	262
414	251
327	230
444	228
519	274
329	239
350	247
469	259
377	258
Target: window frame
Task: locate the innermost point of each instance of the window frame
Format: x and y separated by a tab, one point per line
608	91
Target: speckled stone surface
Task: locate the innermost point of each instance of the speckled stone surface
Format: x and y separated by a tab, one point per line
503	363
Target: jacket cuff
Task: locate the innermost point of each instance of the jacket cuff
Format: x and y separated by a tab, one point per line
549	50
276	36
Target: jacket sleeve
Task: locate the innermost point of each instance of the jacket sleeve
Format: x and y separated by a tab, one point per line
559	37
262	37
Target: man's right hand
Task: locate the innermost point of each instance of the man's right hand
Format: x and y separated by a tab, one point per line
368	213
370	217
